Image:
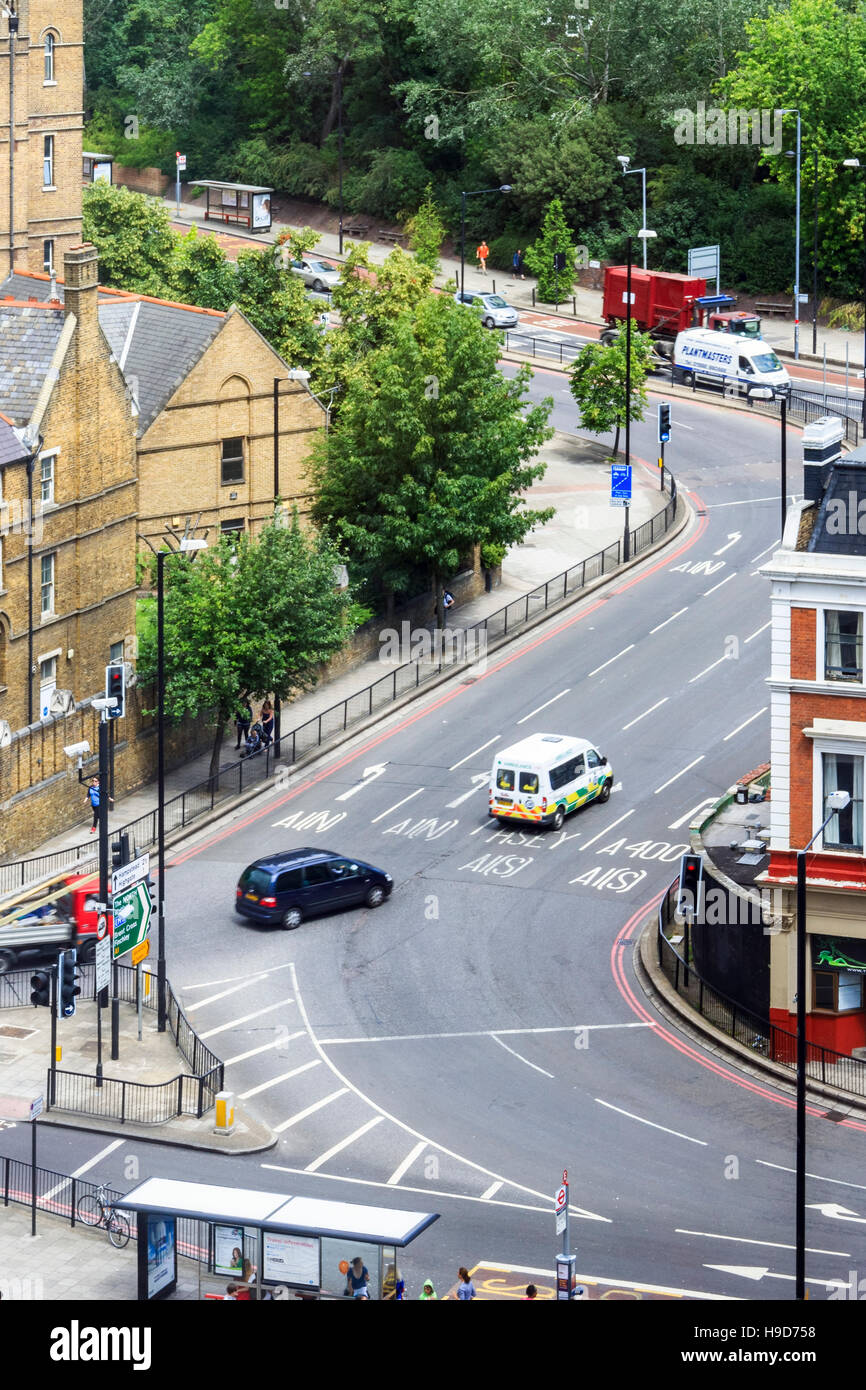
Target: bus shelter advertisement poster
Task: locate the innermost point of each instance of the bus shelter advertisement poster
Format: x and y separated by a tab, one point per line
161	1254
228	1250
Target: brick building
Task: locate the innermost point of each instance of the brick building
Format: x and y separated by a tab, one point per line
818	745
42	61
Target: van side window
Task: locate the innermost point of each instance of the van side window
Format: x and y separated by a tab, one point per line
529	782
316	873
560	775
505	780
289	881
746	366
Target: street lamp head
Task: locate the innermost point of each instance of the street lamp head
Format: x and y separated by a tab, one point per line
837	801
645	232
624	160
192	543
505	188
850	163
298	374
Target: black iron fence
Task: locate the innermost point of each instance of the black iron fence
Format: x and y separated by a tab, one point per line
745	1027
454	648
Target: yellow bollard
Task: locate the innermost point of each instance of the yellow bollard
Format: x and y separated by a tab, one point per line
225	1113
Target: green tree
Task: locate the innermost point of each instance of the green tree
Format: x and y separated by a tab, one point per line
597	383
201	273
133	237
431	454
426	232
246	621
370	304
275	303
555	237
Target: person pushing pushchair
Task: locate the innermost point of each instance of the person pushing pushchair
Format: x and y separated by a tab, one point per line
255	741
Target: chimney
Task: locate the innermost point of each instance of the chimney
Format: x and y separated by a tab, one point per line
80	297
822	447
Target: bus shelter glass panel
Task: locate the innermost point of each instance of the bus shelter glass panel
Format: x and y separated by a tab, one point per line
348	1266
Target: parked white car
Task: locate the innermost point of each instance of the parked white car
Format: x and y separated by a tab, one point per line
319	275
495	313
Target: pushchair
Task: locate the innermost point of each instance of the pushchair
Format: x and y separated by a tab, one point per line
255	741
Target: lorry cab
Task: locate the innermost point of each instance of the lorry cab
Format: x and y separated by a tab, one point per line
742	324
748	365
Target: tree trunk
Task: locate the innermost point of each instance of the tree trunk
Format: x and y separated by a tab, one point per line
331	118
217	745
389	604
616	440
438	607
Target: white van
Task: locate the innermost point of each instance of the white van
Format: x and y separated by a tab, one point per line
725	359
545	776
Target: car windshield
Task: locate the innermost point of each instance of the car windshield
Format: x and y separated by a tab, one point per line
319	265
750	329
767	362
495	301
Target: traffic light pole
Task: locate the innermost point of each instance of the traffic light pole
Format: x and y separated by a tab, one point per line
52	1069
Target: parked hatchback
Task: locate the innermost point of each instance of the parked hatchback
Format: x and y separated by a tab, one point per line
282	889
317	274
495	313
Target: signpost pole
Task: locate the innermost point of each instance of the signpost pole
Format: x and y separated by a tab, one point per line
33	1175
103	869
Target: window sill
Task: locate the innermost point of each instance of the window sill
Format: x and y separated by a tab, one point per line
49	188
49	82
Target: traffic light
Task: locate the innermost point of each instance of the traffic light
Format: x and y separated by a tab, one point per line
41	988
691	875
115	685
67	983
120	851
559	260
664	422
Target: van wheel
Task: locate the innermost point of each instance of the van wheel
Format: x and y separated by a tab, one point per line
7	961
375	896
558	818
604	794
291	919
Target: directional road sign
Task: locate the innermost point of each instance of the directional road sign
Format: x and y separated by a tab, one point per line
132	909
620	485
128	874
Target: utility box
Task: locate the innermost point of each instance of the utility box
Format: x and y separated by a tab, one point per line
225	1112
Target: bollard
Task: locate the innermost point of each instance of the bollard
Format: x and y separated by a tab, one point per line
225	1113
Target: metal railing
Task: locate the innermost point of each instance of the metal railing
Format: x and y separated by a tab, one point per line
234	778
744	1026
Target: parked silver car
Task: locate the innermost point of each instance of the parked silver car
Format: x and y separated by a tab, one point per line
319	275
495	313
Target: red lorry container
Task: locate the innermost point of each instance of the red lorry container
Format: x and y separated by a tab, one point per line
663	302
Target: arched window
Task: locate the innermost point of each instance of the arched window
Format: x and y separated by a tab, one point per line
50	42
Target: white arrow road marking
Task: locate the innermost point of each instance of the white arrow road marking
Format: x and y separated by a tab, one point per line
839	1213
757	1272
693	814
733	537
478	779
370	775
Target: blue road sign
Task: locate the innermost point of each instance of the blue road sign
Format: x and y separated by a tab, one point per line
620	485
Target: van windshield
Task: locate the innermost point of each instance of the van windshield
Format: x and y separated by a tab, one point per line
767	362
528	782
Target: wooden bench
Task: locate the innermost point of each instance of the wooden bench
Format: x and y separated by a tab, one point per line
767	308
357	229
395	237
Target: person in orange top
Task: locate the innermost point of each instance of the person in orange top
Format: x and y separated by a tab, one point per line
482	252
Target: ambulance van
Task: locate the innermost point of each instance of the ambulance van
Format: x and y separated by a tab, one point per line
544	777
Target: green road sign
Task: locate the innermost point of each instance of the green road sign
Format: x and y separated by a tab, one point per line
132	909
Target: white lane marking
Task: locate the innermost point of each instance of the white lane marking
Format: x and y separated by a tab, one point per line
629	648
607	830
678	775
544	706
486	826
485	1033
275	1080
669	620
708	668
209	984
693	813
733	537
245	1018
494	1186
369	775
521	1059
212	998
745	723
266	1047
407	1129
761	553
310	1110
707	592
758	1272
645	713
748	1240
429	1192
397	805
816	1177
319	1162
91	1163
406	1164
744	502
480	779
676	1134
758	632
454	766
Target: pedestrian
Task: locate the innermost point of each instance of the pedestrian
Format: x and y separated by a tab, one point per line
267	723
243	720
231	1294
357	1278
447	600
93	798
531	1292
466	1288
482	252
428	1291
517	264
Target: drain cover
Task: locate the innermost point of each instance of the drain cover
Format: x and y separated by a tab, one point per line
8	1031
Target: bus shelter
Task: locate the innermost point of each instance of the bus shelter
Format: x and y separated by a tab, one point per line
97	168
301	1244
247	203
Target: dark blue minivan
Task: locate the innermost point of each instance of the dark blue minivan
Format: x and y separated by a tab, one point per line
282	889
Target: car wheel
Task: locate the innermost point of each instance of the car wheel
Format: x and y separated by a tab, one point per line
558	818
489	323
604	794
608	337
375	896
291	919
318	286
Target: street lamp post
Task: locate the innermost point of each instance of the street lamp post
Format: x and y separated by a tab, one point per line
187	544
643	233
340	145
815	254
625	160
471	193
855	164
793	111
837	801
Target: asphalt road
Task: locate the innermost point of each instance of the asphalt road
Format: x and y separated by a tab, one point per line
456	1049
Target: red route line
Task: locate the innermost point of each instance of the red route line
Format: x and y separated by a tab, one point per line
628	995
436	705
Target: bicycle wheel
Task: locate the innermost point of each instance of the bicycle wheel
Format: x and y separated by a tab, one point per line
118	1229
89	1209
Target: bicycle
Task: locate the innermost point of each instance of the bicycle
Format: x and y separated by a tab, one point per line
96	1209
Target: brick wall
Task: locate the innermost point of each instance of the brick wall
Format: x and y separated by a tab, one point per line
805	708
148	180
803	644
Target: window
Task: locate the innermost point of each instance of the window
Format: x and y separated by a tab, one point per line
49	58
505	780
47	161
1	564
593	759
47	684
48	256
343	868
232	529
837	990
843	646
315	874
232	461
115	652
844	772
47	584
46	473
528	782
289	881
